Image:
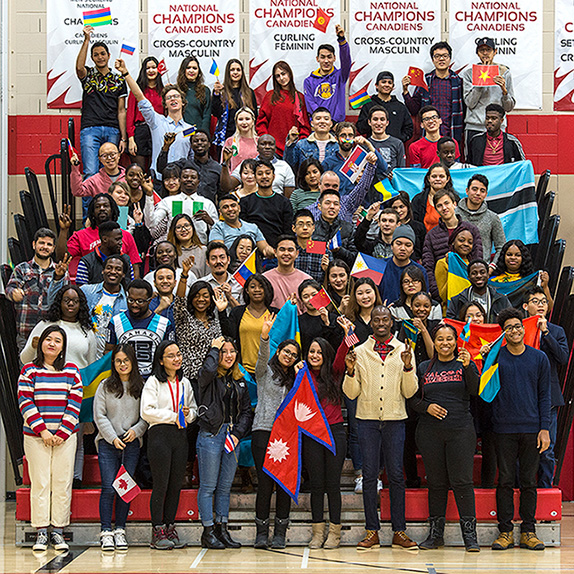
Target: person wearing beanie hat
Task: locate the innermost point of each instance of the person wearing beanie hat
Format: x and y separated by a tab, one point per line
477	98
400	122
402	246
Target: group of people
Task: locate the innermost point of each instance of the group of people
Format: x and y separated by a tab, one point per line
151	279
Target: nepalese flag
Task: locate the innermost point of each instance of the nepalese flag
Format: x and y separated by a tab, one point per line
511	194
359	99
247	268
299	413
457	275
126	49
368	266
484	75
180	416
125	485
411	332
335	242
92	376
354	164
417	77
100	17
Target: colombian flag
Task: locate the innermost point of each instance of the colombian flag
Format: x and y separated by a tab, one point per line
490	378
100	17
92	376
385	188
247	269
457	278
359	99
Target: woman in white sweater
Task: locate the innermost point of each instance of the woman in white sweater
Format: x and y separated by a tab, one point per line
168	405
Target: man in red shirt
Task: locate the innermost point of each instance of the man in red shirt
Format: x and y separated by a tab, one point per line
423	153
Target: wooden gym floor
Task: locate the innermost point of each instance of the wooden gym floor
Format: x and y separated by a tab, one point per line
294	559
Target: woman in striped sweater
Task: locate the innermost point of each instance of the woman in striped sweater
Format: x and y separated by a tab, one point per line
49	396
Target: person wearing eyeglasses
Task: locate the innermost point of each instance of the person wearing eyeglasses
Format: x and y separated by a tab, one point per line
554	343
140	326
423	152
445	92
521	423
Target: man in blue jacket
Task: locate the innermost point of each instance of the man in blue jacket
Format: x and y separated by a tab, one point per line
554	343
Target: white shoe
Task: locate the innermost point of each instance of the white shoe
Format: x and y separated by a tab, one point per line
379	485
120	539
107	543
41	544
58	541
359	484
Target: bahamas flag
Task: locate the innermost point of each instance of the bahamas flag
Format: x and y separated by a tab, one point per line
247	268
411	333
514	289
490	378
511	194
92	376
286	326
457	278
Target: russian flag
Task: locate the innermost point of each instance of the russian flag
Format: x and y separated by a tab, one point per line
354	164
127	50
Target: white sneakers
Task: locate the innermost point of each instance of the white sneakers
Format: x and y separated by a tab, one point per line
120	539
359	484
116	540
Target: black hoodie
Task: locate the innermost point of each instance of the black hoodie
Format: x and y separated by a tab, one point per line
400	122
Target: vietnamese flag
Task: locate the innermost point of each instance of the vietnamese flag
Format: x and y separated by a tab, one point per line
322	20
321	299
417	77
484	75
318	247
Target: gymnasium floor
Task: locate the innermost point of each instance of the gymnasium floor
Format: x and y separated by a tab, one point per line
293	559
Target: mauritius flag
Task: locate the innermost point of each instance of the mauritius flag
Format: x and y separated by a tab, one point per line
247	269
92	376
359	99
100	17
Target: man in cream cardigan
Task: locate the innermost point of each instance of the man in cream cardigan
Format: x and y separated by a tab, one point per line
381	375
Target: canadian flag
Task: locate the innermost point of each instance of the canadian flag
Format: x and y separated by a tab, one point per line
125	485
300	412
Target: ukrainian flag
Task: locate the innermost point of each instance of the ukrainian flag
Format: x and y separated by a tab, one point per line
457	278
411	332
490	379
100	17
286	326
247	269
214	68
385	188
92	376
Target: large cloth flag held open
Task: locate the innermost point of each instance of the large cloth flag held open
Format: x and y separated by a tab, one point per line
514	290
92	376
300	412
286	326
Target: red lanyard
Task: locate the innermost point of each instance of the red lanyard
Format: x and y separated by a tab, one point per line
174	398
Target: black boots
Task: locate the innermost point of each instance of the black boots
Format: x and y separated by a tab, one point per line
435	539
210	540
262	535
468	527
281	525
222	534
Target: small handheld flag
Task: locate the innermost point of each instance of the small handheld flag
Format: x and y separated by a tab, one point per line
188	132
354	164
385	188
359	99
71	151
126	49
318	247
214	70
162	67
322	20
411	332
245	271
180	416
229	446
490	378
351	339
321	299
465	333
367	266
484	75
335	242
125	485
100	17
417	77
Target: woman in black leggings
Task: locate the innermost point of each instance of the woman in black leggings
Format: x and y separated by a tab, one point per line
445	434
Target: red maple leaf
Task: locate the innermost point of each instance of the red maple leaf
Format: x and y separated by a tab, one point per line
122	484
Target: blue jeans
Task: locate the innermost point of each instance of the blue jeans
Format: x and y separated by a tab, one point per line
216	472
110	459
353	438
547	459
382	443
90	141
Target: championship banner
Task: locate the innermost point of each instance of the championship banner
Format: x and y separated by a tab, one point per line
391	36
207	30
564	55
289	30
516	28
115	22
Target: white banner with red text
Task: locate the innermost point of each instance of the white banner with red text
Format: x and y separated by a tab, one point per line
391	36
207	30
117	24
516	28
564	55
289	30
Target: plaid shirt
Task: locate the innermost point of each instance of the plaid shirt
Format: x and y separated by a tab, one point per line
310	263
34	281
383	348
446	96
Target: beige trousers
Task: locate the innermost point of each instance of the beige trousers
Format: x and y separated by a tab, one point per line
51	471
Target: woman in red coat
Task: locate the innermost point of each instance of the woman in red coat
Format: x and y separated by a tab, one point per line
283	108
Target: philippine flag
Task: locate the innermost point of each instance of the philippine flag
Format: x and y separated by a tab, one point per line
354	164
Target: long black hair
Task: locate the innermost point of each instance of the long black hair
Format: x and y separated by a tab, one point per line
266	285
135	383
416	274
61	358
158	370
526	267
194	290
142	80
285	378
327	387
84	317
234	264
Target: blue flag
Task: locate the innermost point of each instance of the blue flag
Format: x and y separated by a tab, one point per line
286	326
490	378
92	376
180	416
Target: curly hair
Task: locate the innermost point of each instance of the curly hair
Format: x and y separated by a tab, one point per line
526	267
115	210
84	317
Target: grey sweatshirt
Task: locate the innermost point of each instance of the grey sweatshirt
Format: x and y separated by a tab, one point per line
270	394
114	417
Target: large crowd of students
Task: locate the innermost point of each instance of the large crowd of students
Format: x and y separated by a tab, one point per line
149	277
